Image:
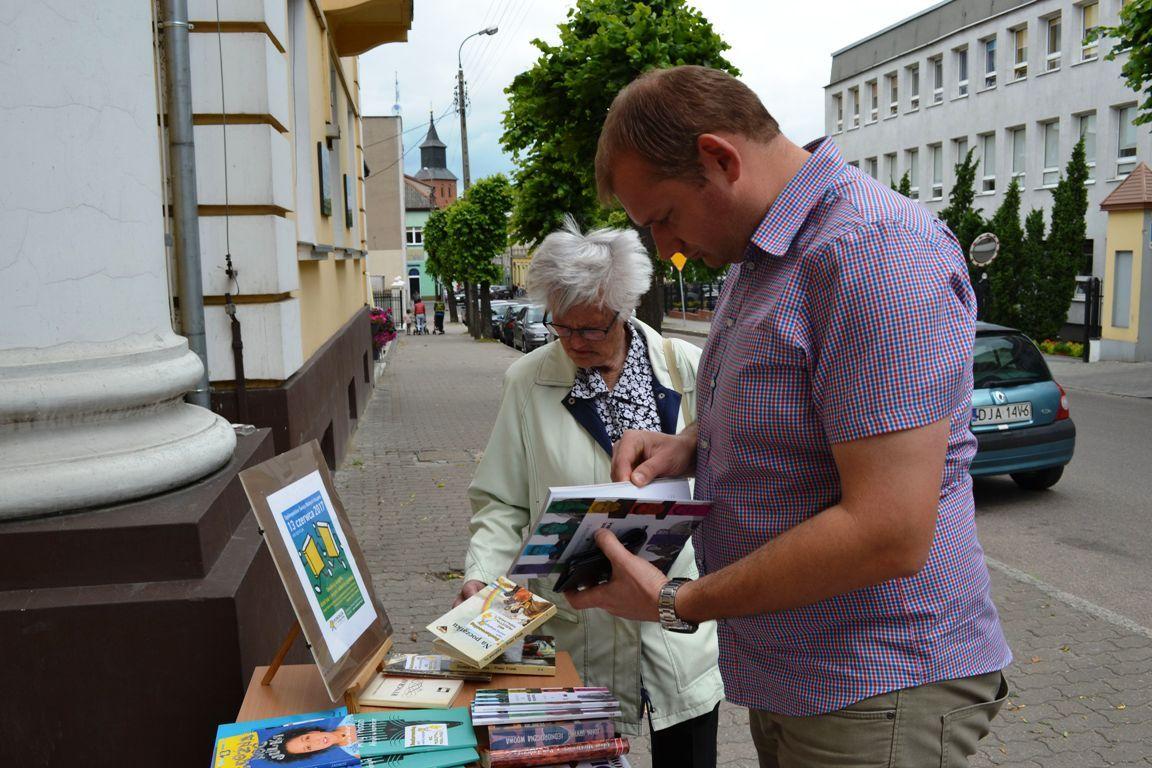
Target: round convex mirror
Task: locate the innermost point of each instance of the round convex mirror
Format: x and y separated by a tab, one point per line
984	249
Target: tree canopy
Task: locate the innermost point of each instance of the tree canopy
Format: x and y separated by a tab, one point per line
1134	37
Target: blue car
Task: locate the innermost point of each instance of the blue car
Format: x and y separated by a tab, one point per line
1019	413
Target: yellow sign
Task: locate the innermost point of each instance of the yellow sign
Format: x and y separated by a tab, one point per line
679	260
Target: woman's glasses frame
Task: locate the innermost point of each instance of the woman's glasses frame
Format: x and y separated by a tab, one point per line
589	334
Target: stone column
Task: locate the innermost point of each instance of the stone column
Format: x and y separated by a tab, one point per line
91	374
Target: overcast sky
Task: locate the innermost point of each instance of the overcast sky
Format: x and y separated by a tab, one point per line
783	50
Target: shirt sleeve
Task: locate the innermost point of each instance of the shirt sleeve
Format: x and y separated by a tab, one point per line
893	317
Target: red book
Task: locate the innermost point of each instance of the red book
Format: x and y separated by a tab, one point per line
570	753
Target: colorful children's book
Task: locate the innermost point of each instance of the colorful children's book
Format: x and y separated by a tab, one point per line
410	692
313	740
433	665
483	626
441	758
554	734
655	521
412	731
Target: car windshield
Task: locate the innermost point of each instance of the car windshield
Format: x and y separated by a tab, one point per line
1006	359
534	315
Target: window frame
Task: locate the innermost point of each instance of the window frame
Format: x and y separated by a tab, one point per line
1019	150
912	160
1090	161
414	236
1089	50
1019	53
1053	58
1125	162
854	93
913	74
936	157
987	180
962	73
937	64
989	45
838	110
873	100
1050	175
893	79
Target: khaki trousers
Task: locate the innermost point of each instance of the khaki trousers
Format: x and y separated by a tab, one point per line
931	725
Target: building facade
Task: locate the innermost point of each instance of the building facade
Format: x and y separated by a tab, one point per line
385	189
1018	81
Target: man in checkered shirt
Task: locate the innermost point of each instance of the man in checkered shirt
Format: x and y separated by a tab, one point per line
840	559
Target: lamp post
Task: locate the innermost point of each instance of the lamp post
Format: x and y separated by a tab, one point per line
461	104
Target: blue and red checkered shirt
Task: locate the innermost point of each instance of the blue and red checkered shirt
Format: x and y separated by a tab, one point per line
851	315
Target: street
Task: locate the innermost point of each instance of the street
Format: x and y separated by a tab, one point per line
1067	565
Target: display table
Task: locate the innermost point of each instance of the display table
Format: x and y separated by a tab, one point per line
297	688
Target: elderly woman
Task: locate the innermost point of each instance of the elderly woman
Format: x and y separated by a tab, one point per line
563	407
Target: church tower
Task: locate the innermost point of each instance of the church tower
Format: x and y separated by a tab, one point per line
433	170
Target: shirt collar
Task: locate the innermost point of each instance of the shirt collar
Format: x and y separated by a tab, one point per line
789	211
589	383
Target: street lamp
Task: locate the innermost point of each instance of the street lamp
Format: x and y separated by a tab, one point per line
460	101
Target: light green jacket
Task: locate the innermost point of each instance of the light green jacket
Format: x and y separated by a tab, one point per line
535	444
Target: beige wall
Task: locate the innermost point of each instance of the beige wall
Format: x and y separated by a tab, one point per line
1125	233
385	209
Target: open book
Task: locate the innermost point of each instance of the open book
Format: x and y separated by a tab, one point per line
654	522
480	629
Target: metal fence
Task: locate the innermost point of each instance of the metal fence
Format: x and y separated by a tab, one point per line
696	296
386	300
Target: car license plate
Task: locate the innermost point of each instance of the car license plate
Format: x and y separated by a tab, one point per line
1009	413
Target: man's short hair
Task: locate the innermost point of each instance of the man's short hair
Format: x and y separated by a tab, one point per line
660	114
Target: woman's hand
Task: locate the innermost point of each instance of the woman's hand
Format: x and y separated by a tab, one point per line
470	588
640	457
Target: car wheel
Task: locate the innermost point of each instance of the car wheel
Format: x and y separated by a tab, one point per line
1039	480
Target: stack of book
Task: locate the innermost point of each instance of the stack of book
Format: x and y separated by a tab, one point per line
549	726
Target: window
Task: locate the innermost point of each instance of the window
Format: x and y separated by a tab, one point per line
854	101
1086	129
873	101
988	162
1051	154
937	65
936	154
912	157
1089	21
1052	58
893	94
870	166
961	71
890	168
414	236
838	108
961	145
989	62
1020	53
1017	136
1125	141
1122	289
914	86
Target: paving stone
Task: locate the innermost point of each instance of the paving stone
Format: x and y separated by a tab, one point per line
404	483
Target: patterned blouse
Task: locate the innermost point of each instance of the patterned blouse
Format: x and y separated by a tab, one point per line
631	404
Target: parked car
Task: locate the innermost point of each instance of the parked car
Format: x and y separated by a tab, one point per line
497	315
529	332
1019	413
508	321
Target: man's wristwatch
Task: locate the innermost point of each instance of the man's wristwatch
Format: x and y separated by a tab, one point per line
666	604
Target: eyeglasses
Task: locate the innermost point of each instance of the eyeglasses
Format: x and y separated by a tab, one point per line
590	334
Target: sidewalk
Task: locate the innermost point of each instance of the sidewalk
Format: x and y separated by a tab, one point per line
1082	678
1106	377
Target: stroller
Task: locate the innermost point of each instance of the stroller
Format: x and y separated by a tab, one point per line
421	325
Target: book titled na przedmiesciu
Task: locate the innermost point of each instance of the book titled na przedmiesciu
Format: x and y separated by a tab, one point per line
478	630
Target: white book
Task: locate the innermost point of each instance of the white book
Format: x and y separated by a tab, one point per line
410	692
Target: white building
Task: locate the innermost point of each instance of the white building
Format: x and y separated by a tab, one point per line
1016	80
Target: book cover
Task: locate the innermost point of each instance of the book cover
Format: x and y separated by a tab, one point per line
483	626
662	515
433	665
555	734
412	731
590	751
500	696
410	692
441	758
535	655
313	740
544	715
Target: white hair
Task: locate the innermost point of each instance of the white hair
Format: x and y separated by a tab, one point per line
608	268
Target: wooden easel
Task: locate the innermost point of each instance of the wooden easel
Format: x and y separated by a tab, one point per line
352	694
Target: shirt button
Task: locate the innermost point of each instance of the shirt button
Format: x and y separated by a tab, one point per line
704	443
660	395
571	401
713	382
750	264
730	322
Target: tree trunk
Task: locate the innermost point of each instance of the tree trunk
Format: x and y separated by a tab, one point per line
651	309
485	310
452	313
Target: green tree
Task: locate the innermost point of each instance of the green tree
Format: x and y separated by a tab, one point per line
1032	255
1009	273
960	216
557	108
440	258
478	226
1134	37
1065	247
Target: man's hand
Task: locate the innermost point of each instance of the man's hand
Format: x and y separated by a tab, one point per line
641	456
470	588
632	592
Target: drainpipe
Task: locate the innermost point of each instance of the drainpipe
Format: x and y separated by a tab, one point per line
185	216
